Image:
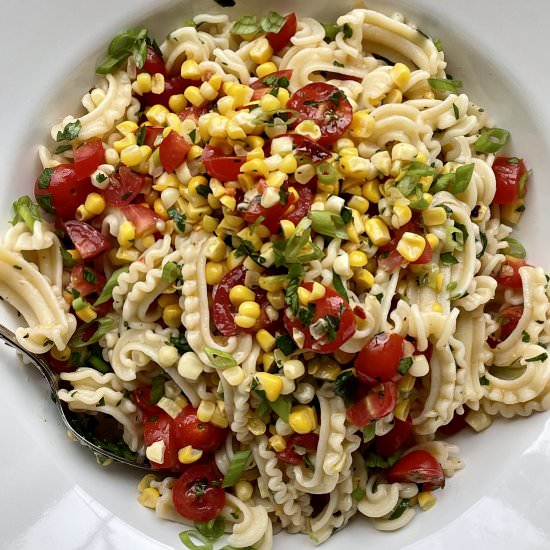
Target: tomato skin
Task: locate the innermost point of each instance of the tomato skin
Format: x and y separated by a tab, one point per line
66	192
508	174
278	40
151	134
333	116
309	148
417	467
88	241
84	287
331	304
142	398
87	158
394	260
194	113
308	441
173	151
189	430
153	63
457	424
396	439
172	85
217	165
197	504
379	402
510	318
144	219
508	275
301	208
124	187
159	428
379	359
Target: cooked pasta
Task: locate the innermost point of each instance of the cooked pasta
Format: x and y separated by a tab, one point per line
282	266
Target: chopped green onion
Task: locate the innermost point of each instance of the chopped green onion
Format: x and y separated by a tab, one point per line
98	364
236	468
25	210
328	223
272	22
79	303
407	185
462	178
281	407
68	260
445	84
220	359
492	140
404	365
400	509
213	529
331	30
441	183
112	282
358	493
105	325
247	24
369	432
326	173
456	111
170	272
515	249
447	258
187	538
339	286
415	168
507	373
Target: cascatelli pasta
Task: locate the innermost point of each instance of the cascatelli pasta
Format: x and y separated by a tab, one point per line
281	272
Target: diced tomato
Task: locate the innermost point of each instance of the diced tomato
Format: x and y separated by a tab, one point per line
143	218
125	186
309	442
217	165
88	241
159	428
417	467
153	63
194	113
60	366
198	494
379	402
278	40
87	158
151	134
333	309
379	359
457	424
189	430
508	173
309	148
86	287
393	259
426	256
290	456
508	319
172	85
142	398
173	151
301	208
64	193
509	275
399	436
325	105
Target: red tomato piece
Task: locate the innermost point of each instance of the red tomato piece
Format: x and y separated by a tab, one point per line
60	366
379	359
151	134
508	275
172	86
267	83
307	441
331	305
124	187
508	318
417	467
278	40
159	428
142	398
290	456
508	173
144	219
426	256
301	208
173	151
88	241
379	402
87	158
457	424
198	495
309	148
153	63
189	430
217	165
194	113
64	193
397	438
326	105
392	261
83	286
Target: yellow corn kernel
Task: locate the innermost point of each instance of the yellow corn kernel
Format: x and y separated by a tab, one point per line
124	255
240	93
288	228
271	384
177	103
358	259
209	224
427	197
304	296
206	410
75	254
269	103
359	203
255	142
265	68
148	241
353	166
317	292
157	83
267	360
400	74
145	482
411	246
309	129
256	426
215	249
131	156
401	410
362	125
126	141
234	375
402	215
171	315
157	114
271	284
127	127
160	209
265	339
276	179
167	299
216	81
229	202
188	455
86	314
82	213
302	419
426	500
371	191
214	272
434	216
364	279
126	234
433	240
511	213
378	232
277	443
250	309
61	355
439	282
437	308
193	95
190	69
261	51
149	497
144	83
219	418
239	294
244	490
255	153
406	384
234	131
255	166
276	299
95	203
289	164
283	95
244	321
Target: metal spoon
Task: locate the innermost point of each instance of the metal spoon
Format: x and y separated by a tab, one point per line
53	380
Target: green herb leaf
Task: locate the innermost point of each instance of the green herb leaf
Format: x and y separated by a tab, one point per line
44	178
26	211
236	468
420	169
462	178
203	190
105	325
345	386
456	111
170	272
398	511
404	365
112	282
290	251
484	381
438	45
447	258
540	357
508	373
373	460
178	218
201	542
358	494
369	432
452	285
483	240
180	343
339	286
213	529
272	22
328	223
331	30
445	84
332	324
441	183
525	337
69	132
46	203
492	140
220	359
68	260
515	249
157	389
282	406
122	46
62	148
247	24
286	344
347	30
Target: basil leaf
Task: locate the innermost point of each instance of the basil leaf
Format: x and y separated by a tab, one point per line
122	46
399	510
45	178
220	359
445	84
286	344
178	218
69	132
26	211
339	286
492	140
236	468
281	407
46	203
111	283
272	22
484	381
328	223
416	168
369	432
447	258
525	337
515	249
180	343
213	529
247	24
345	386
463	176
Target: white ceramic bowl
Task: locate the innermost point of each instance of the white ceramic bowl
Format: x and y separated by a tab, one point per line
53	495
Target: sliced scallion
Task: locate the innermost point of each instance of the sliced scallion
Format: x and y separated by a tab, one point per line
220	359
187	538
326	173
328	223
236	468
212	529
492	140
463	176
111	283
515	249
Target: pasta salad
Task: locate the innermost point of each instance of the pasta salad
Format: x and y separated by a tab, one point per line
272	259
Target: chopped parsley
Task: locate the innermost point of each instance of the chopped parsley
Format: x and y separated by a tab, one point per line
178	218
89	275
286	344
346	386
404	365
69	132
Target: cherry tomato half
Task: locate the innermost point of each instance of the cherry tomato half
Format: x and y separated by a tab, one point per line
142	398
217	165
508	275
309	148
326	105
124	187
379	402
379	359
153	62
86	280
197	494
278	40
159	428
307	441
508	173
173	151
64	193
143	218
189	430
333	307
399	436
88	241
172	86
87	158
151	134
299	210
417	467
